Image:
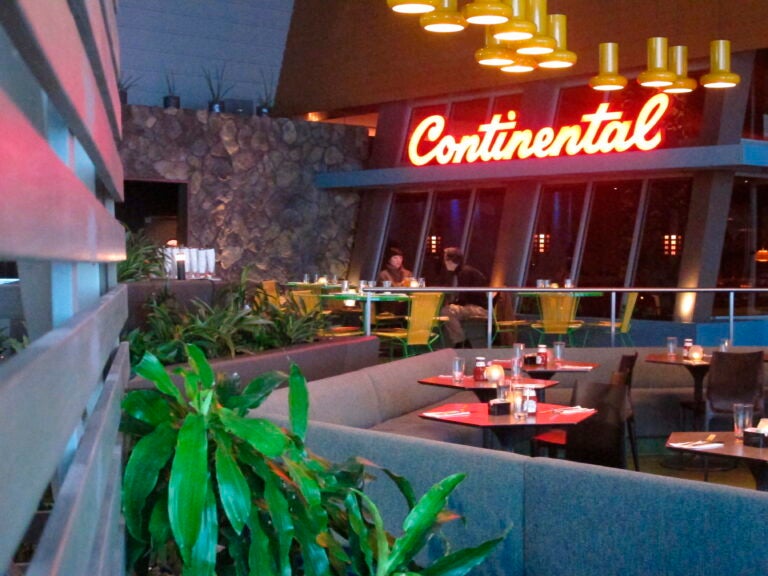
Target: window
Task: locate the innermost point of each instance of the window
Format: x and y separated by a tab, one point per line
446	228
405	224
481	248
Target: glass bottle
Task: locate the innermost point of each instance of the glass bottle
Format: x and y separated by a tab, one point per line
479	372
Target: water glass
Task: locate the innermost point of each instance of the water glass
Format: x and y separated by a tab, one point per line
345	285
742	418
559	348
386	284
305	279
568	283
517	399
502	389
457	370
422	283
725	344
672	345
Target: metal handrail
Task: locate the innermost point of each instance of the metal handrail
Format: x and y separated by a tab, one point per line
491	292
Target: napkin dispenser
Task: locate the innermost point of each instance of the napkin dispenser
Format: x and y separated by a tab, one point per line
529	360
756	438
498	407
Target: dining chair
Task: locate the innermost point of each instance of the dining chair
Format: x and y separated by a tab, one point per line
505	322
627	366
558	317
584	395
733	377
421	326
600	439
272	291
310	301
622	328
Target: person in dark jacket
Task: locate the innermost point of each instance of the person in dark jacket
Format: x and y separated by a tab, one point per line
460	306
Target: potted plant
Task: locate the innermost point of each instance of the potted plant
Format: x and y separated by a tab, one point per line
208	490
124	83
266	98
217	87
143	258
171	99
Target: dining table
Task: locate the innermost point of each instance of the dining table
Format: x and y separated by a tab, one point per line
507	429
726	445
552	367
485	390
697	368
366	298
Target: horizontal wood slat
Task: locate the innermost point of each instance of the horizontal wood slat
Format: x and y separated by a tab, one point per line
74	525
43	393
60	63
92	24
108	554
46	212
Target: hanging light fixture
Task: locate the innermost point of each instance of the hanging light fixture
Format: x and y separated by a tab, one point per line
487	12
521	64
494	53
517	27
761	255
445	19
678	63
656	75
608	78
561	57
541	43
720	75
412	6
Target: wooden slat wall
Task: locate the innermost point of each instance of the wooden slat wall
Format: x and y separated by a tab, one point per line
59	413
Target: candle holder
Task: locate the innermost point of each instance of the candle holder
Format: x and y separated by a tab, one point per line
181	272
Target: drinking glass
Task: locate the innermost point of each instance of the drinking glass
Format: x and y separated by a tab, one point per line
742	418
559	347
457	369
517	399
725	344
305	279
672	345
502	389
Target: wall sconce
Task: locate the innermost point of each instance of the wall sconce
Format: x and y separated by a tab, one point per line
761	255
673	244
541	243
434	243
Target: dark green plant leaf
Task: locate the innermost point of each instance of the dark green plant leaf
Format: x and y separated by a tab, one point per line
420	521
380	534
159	526
234	492
148	457
282	521
362	551
189	472
260	558
202	561
298	402
151	369
148	406
461	561
262	434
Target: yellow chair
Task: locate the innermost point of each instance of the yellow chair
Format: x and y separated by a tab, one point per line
558	316
622	329
508	324
310	300
421	328
272	291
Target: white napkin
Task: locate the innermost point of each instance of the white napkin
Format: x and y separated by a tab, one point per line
699	445
576	367
447	413
575	410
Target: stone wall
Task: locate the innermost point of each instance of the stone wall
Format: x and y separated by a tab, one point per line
250	188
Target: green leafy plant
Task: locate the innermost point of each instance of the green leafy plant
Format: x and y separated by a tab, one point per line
215	81
126	82
10	346
266	96
211	491
143	258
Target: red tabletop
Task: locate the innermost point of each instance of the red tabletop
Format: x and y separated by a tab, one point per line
476	414
483	389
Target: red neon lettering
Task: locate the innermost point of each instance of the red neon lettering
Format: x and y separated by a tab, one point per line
599	132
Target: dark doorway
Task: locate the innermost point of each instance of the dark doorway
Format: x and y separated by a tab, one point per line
159	208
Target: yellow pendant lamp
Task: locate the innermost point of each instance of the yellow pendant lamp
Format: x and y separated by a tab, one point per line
561	57
517	27
445	19
720	75
494	53
657	75
541	43
678	63
487	12
521	65
411	6
609	78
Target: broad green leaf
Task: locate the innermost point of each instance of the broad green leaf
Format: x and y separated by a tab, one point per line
148	406
206	398
420	521
202	560
201	365
282	521
189	475
263	435
159	527
307	485
404	486
264	384
314	556
461	561
234	492
148	458
298	402
260	559
191	385
151	369
382	545
361	532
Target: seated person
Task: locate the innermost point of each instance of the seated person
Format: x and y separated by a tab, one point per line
461	305
393	270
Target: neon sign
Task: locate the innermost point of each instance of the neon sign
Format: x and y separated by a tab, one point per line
599	132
